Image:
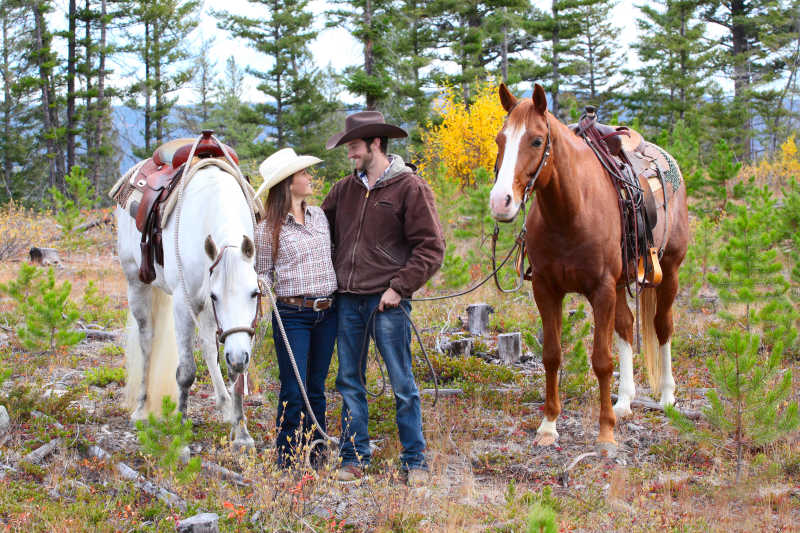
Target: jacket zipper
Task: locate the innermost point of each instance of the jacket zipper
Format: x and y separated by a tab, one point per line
355	246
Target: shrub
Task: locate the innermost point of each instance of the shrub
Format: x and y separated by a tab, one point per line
163	440
463	139
103	375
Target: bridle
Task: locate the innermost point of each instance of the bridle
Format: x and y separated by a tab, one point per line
223	334
520	240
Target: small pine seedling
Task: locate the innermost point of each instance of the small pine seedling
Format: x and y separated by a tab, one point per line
163	439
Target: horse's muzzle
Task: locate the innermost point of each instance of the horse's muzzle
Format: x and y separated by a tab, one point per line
237	361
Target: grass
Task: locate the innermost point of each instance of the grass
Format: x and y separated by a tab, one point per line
485	475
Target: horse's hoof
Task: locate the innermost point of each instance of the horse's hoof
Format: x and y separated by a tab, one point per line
622	410
607	449
243	444
545	439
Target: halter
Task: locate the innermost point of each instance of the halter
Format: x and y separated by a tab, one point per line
223	334
520	240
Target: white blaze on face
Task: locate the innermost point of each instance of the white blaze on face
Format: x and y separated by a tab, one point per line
502	202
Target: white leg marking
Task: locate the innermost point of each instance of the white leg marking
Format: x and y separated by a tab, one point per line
667	381
627	387
547	427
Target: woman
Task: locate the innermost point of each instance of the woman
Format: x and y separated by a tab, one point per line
294	257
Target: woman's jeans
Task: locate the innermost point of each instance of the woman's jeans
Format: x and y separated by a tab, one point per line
392	335
311	335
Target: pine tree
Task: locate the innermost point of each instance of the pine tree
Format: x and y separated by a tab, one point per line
751	402
600	61
282	34
21	155
234	121
560	28
754	31
164	439
163	48
575	371
676	58
369	21
48	314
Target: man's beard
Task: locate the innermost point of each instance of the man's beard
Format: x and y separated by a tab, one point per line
362	164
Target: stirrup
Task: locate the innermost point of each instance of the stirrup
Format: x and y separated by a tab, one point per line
653	275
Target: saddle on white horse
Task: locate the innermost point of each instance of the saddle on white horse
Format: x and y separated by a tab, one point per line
147	191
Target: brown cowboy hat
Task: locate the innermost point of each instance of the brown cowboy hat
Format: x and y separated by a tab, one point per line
362	125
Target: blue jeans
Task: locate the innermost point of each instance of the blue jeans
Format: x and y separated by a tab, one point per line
393	339
312	335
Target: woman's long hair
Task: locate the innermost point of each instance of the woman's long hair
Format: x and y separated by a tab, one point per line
279	202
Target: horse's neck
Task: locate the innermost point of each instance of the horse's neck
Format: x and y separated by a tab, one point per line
220	209
561	202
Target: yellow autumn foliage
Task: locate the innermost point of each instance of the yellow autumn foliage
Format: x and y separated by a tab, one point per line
777	170
464	140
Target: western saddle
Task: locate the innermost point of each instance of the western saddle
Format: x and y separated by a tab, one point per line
632	170
144	194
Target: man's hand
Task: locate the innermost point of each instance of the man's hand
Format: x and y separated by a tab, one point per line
390	298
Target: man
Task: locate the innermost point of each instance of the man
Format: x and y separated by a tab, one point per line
388	242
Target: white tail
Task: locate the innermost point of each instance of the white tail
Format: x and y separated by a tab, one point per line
652	361
163	360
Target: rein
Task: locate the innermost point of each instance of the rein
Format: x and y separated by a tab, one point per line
223	334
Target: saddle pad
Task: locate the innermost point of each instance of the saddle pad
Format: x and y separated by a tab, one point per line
127	196
649	157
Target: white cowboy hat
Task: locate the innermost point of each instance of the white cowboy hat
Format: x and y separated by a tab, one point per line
281	165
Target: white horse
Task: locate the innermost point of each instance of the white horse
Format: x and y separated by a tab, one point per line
218	293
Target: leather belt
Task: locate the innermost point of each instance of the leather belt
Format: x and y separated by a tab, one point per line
316	304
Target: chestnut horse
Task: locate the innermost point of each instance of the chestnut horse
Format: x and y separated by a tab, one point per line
574	245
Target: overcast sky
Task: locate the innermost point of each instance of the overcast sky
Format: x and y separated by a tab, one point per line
333	46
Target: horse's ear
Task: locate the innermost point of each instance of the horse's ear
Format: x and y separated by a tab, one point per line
211	248
248	249
539	99
507	100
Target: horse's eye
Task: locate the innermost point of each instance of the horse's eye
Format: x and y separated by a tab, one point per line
536	142
213	297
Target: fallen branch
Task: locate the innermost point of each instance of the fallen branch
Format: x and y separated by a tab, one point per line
97	334
444	392
223	473
92	223
655	406
141	482
39	454
579	459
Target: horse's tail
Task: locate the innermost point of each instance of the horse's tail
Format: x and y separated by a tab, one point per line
163	359
647	304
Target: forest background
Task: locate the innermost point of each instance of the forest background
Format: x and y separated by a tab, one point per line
122	70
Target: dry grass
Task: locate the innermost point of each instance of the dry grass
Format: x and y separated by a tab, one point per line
484	471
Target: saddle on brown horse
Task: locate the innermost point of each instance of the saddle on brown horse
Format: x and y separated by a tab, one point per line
631	170
148	189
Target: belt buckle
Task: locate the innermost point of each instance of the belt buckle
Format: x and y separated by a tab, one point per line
319	301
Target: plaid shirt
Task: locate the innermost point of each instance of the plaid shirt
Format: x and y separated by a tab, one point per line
303	266
362	174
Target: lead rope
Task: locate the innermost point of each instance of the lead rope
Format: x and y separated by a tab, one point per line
325	437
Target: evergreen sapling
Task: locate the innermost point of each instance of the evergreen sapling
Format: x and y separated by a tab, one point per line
751	400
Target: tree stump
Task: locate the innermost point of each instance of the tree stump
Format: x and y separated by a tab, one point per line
44	256
462	347
509	347
478	318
